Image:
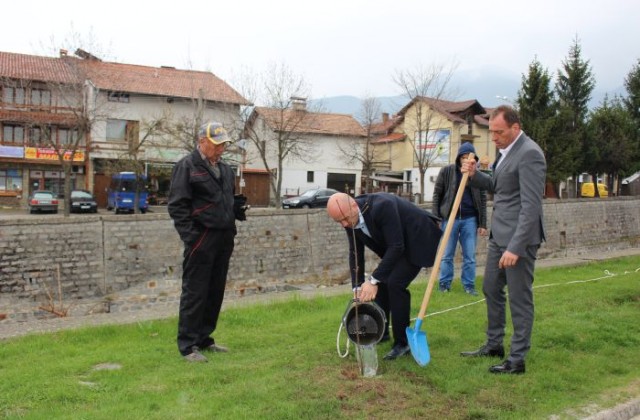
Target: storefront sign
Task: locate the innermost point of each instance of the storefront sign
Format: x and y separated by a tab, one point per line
50	154
11	151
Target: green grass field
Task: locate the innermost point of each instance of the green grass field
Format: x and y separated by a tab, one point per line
284	363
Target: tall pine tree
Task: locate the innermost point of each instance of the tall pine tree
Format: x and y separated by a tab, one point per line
574	86
632	85
632	104
537	107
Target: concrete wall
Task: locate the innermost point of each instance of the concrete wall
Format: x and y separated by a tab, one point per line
98	255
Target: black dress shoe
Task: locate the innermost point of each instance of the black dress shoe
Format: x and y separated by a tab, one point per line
485	351
397	351
508	367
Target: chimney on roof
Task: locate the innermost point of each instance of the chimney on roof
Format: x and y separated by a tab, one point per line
86	55
298	103
385	117
63	52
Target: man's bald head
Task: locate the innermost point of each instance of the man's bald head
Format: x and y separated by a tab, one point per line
343	209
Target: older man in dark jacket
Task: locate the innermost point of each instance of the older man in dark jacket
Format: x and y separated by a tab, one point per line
201	204
470	221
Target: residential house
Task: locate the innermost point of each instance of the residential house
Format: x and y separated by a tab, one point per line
433	129
323	149
132	111
384	142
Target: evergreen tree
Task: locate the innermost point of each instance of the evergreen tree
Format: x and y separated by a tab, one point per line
536	102
574	86
611	140
537	107
632	103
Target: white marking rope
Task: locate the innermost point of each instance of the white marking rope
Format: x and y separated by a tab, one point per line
607	275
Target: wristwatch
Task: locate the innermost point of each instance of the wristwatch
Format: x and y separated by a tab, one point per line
373	281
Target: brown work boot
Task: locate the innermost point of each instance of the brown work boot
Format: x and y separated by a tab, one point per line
195	356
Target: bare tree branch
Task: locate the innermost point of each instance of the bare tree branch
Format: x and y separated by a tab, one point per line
426	87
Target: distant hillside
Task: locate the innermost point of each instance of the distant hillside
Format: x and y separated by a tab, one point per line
352	105
485	87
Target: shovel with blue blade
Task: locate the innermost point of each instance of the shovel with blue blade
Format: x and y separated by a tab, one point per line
418	339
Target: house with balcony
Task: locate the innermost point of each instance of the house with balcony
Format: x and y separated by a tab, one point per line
109	115
428	131
319	150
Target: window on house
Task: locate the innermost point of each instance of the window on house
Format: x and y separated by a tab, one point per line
67	136
118	97
40	97
10	179
12	134
123	130
310	176
116	130
36	137
13	95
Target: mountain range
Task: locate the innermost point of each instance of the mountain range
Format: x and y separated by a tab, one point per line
490	89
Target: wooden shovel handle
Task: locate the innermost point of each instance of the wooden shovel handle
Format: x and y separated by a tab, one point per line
443	243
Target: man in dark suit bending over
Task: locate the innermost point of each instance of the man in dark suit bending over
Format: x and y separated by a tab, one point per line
404	236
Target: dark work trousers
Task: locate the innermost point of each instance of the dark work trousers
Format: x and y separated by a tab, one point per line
395	299
204	278
519	283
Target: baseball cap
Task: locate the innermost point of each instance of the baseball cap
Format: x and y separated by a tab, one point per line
214	132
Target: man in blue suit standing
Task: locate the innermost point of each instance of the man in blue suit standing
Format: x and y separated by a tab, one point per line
516	233
406	239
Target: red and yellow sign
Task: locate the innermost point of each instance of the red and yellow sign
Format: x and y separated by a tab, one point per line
51	154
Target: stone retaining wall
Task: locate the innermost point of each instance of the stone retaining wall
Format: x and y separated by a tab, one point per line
95	255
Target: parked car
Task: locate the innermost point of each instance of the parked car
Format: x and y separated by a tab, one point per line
83	201
309	199
587	190
40	201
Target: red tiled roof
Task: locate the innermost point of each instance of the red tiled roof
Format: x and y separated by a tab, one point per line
393	137
255	171
385	127
160	81
306	122
447	108
32	67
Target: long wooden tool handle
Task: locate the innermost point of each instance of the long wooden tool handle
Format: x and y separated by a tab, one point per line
443	243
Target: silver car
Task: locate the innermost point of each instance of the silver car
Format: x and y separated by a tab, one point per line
40	201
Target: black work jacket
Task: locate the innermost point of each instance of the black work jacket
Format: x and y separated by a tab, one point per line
198	200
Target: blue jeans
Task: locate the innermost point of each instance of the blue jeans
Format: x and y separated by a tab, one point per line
464	231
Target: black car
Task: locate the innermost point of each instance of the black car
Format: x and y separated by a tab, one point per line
309	199
40	201
83	201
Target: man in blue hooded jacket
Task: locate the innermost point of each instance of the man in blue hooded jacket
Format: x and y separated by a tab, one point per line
470	221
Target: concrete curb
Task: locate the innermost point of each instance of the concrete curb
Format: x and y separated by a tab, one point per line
626	411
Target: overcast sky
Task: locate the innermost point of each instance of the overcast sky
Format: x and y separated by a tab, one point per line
341	47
